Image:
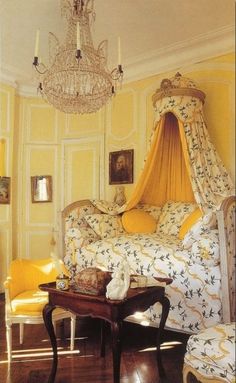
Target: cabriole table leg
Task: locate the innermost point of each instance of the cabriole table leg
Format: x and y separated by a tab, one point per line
47	317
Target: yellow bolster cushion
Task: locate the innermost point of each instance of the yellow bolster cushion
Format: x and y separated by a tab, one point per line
138	221
32	301
189	222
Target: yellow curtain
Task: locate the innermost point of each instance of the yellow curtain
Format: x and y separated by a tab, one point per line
2	157
165	176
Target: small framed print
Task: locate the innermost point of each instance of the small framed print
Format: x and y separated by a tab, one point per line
121	167
41	188
5	183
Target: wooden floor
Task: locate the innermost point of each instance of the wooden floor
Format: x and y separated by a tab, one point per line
32	361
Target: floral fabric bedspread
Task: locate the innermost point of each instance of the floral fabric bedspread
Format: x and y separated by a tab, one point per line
195	293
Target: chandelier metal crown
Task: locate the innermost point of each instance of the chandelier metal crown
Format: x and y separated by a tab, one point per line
77	79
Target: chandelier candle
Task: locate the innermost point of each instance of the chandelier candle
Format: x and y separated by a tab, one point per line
36	48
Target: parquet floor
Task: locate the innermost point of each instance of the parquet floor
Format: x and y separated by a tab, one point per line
32	361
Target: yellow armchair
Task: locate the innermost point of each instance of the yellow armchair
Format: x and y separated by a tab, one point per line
25	301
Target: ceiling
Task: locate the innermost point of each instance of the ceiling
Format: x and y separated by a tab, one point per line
154	33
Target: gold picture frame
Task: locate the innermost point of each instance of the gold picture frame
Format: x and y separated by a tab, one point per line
121	167
5	184
41	189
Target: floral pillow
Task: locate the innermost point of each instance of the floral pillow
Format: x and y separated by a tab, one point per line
172	216
201	227
154	211
105	225
76	217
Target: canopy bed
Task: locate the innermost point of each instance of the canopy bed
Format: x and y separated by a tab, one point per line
179	222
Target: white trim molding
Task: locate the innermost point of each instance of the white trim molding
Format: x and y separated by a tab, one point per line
184	53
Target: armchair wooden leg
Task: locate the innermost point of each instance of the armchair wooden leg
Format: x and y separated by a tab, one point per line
9	342
21	333
72	332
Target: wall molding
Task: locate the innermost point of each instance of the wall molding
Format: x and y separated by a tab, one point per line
8	124
171	57
185	53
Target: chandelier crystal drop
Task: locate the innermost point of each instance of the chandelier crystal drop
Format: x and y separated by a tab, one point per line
77	79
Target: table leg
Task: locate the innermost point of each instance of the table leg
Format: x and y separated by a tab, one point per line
165	311
116	349
103	338
47	317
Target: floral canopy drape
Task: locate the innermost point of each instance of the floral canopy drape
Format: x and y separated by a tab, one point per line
182	163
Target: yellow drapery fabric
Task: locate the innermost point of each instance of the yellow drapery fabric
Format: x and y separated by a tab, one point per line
165	175
2	157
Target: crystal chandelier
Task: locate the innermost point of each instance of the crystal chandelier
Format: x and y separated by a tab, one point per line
77	79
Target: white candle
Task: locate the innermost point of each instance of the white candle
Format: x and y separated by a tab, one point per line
78	37
119	51
36	48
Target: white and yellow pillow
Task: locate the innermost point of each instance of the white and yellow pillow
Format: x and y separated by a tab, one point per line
189	221
202	226
172	216
153	210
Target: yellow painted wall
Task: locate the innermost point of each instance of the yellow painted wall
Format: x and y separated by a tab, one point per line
75	149
7	214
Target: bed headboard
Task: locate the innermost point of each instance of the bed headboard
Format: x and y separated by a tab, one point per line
226	227
75	212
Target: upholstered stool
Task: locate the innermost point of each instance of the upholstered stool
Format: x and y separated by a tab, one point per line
210	355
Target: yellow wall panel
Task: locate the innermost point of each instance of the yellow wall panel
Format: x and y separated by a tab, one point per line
39	245
122	122
81	170
3	213
4	107
42	123
80	173
78	124
150	116
4	242
41	213
42	161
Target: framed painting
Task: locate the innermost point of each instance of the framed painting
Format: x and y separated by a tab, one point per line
5	183
41	188
121	167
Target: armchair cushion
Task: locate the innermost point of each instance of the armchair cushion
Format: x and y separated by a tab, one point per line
31	302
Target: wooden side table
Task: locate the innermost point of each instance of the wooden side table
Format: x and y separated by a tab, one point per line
114	312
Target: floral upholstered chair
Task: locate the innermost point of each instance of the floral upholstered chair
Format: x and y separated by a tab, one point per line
210	355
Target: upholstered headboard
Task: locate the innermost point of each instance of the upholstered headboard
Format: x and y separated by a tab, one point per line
226	227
